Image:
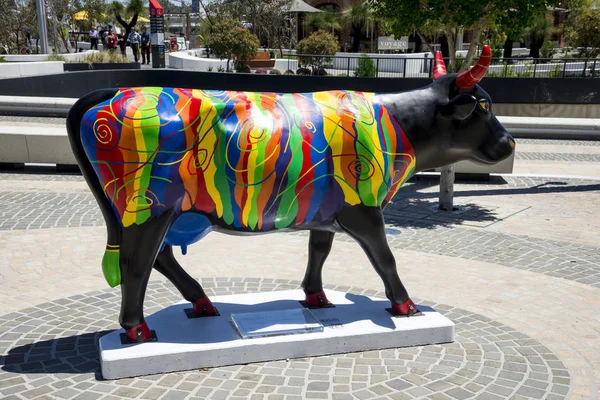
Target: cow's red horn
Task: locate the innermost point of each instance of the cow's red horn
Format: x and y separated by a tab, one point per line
468	79
439	68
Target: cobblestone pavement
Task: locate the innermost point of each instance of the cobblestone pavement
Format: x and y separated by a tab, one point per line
516	267
558	157
423	227
47	354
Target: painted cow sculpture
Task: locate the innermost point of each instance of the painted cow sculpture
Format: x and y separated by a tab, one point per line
169	165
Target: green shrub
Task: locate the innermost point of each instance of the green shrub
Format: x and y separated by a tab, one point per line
209	69
547	50
556	72
229	40
527	72
289	72
55	57
315	49
242	67
2	60
100	57
274	71
303	71
365	66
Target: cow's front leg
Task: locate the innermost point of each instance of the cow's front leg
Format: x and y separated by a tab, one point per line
366	225
140	245
319	246
189	288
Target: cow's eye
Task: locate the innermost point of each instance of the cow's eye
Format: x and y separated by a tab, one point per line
485	105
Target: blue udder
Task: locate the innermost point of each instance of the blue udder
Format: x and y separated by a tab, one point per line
188	228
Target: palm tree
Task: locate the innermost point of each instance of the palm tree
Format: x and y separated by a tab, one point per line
133	8
359	17
539	31
326	20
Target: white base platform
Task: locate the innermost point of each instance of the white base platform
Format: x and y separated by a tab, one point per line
357	323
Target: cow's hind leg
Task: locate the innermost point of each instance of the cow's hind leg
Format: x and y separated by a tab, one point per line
319	246
189	288
366	226
140	245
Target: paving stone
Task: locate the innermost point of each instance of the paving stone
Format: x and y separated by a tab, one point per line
377	375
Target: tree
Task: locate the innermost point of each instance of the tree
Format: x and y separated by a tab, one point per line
15	15
131	11
319	45
229	40
450	16
582	29
539	31
326	20
359	17
270	21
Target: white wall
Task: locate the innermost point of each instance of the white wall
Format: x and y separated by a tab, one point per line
14	70
43	57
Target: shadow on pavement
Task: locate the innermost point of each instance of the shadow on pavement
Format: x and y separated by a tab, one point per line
77	354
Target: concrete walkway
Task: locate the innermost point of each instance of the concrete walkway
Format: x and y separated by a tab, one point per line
518	269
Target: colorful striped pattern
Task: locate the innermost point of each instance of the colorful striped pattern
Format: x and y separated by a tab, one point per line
255	161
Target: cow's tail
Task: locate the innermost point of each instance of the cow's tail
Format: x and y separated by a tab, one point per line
110	261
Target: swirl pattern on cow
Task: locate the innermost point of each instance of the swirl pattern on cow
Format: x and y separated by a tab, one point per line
255	161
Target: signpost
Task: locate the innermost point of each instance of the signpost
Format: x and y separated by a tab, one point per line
389	43
157	35
42	27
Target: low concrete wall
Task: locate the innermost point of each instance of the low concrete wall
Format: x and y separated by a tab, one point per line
547	110
34	106
17	69
193	60
23	144
24	58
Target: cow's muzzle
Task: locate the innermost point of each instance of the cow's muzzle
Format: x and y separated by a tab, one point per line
495	150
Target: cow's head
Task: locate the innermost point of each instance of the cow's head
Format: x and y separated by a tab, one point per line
451	119
467	128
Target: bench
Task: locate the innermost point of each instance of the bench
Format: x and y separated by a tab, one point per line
262	60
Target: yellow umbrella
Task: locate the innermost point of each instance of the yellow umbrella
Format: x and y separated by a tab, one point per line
80	16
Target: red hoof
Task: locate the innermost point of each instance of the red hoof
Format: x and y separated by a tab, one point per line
140	333
316	299
408	308
203	306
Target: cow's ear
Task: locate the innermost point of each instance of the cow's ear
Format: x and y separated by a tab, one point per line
460	107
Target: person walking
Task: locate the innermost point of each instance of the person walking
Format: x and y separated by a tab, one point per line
94	35
111	40
102	35
146	43
134	42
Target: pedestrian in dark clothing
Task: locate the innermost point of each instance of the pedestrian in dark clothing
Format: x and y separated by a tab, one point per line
134	42
122	41
94	38
146	43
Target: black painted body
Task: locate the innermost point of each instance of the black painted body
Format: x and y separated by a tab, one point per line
443	124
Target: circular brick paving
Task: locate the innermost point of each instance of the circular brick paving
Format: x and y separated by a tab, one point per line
52	350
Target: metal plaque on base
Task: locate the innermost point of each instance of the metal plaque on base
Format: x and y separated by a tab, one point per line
275	323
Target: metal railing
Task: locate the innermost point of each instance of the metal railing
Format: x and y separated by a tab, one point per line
384	66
